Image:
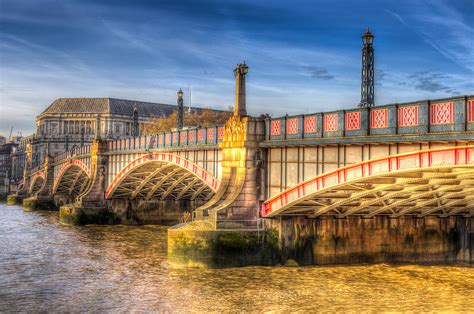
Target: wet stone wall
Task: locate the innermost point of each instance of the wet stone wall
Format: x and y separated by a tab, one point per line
380	239
138	211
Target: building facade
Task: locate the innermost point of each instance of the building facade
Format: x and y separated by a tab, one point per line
73	122
18	159
6	167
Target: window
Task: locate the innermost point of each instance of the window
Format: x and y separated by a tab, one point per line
54	128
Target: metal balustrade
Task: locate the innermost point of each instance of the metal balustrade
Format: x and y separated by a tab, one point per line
446	115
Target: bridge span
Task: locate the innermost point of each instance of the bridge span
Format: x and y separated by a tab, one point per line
399	159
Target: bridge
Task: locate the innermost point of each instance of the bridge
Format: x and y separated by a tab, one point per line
400	159
404	160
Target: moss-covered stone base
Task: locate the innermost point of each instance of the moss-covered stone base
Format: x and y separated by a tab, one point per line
302	241
71	214
14	199
380	239
38	203
192	245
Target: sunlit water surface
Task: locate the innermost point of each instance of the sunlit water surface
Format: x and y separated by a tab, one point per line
47	266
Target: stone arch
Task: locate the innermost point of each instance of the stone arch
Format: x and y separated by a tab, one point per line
162	176
72	178
38	182
432	182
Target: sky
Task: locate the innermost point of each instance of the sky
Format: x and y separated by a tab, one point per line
303	56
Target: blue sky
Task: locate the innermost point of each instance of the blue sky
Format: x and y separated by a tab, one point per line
304	56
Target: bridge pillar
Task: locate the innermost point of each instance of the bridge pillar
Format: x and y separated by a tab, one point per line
238	194
22	193
90	207
227	225
43	199
226	229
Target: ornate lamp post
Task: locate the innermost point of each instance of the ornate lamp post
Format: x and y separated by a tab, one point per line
367	85
240	106
82	135
180	110
135	130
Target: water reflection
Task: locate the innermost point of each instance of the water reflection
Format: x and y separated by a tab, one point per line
46	266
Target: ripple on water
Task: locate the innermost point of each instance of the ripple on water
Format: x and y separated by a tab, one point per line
48	266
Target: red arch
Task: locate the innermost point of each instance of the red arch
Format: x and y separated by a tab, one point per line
66	166
417	160
36	176
179	161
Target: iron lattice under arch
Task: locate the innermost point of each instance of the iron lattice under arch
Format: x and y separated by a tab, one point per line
433	182
38	182
163	176
72	180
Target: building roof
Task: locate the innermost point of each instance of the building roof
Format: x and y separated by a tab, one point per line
108	105
6	149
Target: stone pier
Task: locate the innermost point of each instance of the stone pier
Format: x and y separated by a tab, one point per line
39	203
15	199
376	240
327	241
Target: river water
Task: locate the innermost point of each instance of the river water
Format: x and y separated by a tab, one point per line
45	266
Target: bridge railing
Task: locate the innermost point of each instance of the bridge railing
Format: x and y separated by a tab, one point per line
83	150
178	138
419	117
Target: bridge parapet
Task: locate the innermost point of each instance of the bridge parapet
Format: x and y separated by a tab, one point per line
448	115
83	150
194	137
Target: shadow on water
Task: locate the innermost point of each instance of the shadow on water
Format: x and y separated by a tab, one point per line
48	266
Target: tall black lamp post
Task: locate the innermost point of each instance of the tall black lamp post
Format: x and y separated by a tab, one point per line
367	85
135	126
179	123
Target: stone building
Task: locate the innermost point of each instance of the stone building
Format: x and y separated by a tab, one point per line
70	122
18	159
6	167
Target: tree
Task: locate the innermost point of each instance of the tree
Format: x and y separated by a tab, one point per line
205	117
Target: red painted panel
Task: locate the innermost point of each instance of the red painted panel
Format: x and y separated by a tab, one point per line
330	123
292	126
275	127
210	135
353	120
200	135
442	113
310	124
220	133
191	136
408	116
182	136
470	110
379	118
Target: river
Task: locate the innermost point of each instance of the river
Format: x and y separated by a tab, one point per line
46	266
